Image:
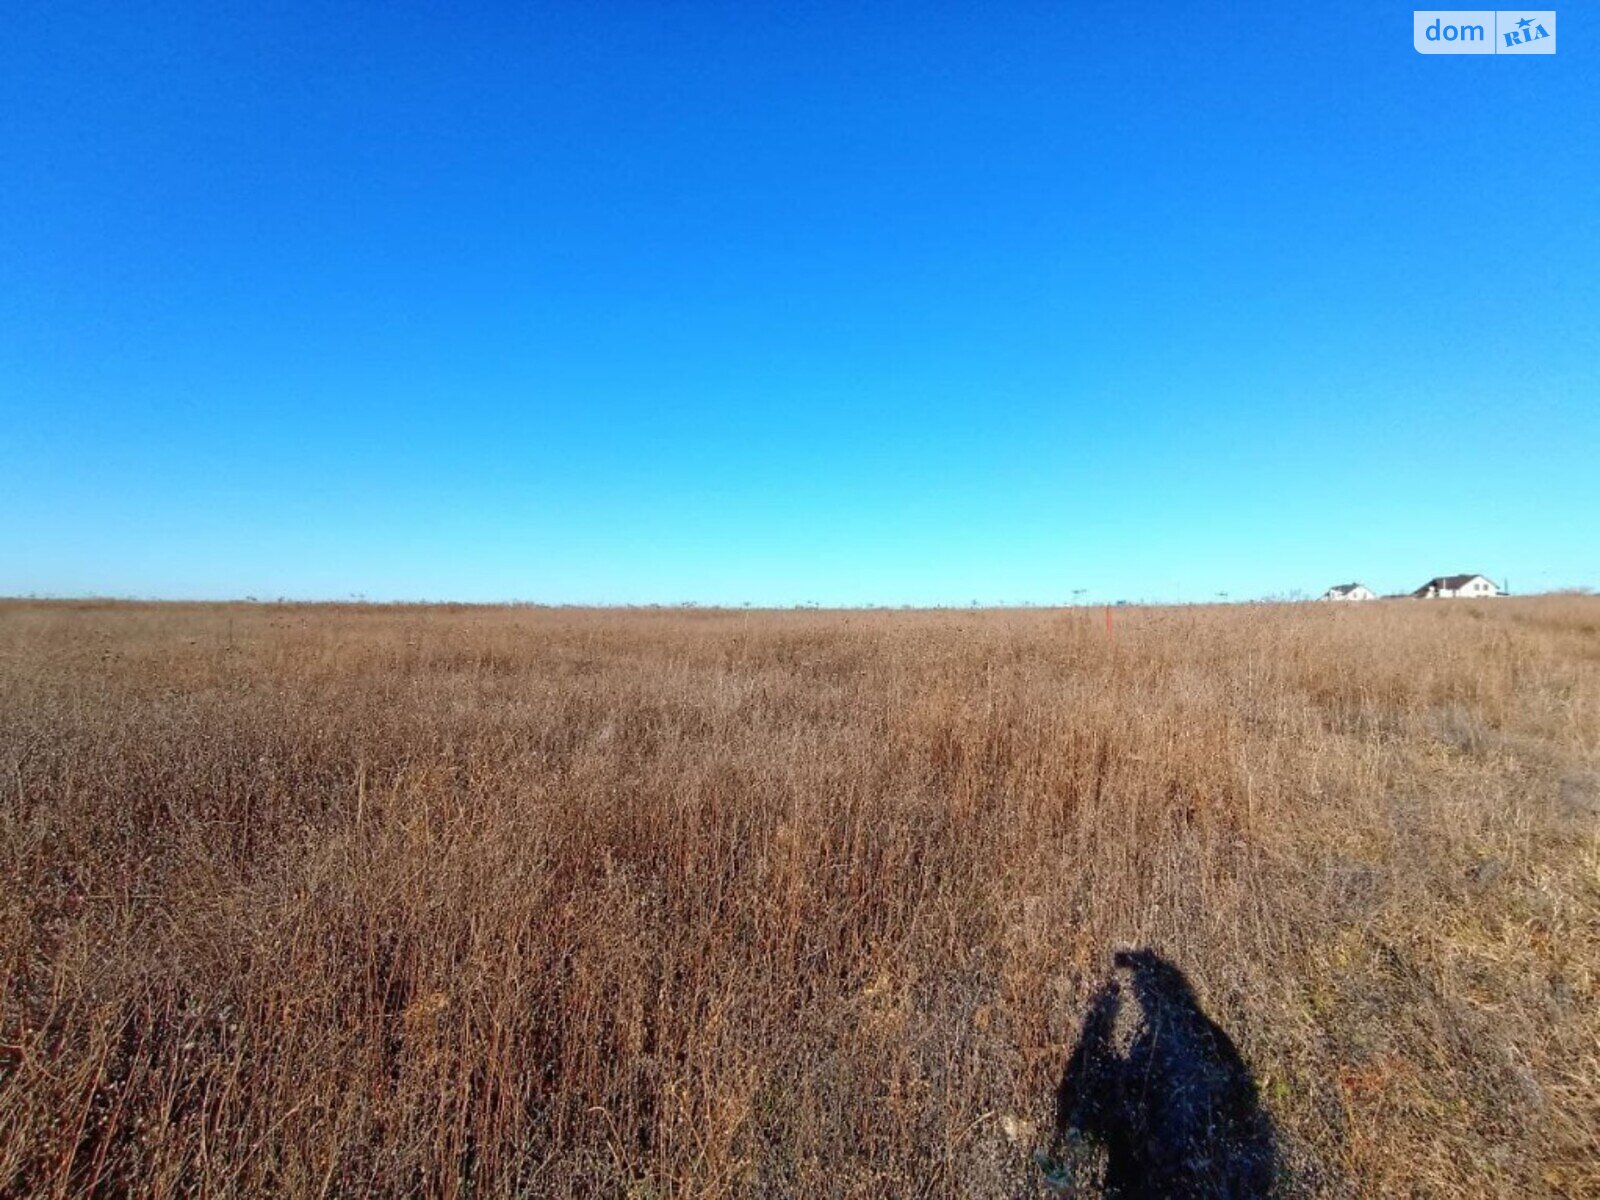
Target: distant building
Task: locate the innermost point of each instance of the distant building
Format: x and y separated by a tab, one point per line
1349	591
1457	587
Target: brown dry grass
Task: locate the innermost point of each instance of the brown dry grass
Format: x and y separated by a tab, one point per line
446	901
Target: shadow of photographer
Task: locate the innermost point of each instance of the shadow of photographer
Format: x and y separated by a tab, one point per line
1155	1100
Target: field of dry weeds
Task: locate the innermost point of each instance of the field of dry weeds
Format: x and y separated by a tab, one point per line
494	901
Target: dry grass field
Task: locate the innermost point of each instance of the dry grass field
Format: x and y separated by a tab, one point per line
350	901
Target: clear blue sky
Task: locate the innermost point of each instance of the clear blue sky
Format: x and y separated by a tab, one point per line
746	302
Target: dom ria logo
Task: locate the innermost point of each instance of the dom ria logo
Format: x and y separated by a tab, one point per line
1484	32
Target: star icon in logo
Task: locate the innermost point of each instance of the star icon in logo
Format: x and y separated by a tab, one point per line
1524	23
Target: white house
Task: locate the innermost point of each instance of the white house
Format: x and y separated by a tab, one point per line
1457	587
1349	591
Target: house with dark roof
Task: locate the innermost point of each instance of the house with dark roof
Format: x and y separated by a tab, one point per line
1349	591
1457	587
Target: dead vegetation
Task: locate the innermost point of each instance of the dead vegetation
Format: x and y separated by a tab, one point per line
352	901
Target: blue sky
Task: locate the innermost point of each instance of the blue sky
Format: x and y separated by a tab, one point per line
849	304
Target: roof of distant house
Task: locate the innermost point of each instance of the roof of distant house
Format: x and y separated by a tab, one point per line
1452	582
1344	589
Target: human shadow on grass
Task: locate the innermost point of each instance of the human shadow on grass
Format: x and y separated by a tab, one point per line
1165	1110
